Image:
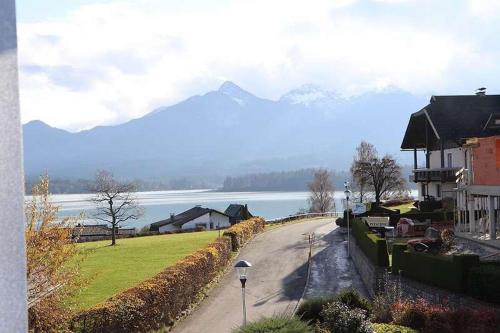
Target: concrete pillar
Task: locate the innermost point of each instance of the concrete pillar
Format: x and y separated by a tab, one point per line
491	217
13	308
472	219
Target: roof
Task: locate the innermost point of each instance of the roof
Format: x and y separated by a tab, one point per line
233	209
184	217
452	119
92	230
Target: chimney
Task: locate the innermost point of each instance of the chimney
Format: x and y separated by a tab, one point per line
172	215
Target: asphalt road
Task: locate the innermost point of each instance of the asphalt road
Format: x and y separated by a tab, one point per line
275	282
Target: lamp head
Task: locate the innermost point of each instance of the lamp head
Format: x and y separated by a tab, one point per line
242	268
347	191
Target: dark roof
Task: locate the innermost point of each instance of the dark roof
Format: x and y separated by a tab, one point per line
452	119
184	217
91	230
237	211
233	209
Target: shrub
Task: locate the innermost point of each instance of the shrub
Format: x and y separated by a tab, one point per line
448	238
353	300
408	313
277	324
341	222
478	320
157	302
374	247
242	232
389	328
381	309
483	282
439	318
448	272
310	309
339	318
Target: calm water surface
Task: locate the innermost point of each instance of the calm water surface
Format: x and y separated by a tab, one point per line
159	204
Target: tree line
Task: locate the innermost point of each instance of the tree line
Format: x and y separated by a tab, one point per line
296	180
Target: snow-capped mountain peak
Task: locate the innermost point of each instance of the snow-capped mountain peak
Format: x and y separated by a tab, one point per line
311	95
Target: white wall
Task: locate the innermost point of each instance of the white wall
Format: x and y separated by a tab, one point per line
13	312
220	220
457	156
217	219
204	219
167	228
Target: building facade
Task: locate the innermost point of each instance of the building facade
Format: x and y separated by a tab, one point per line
460	139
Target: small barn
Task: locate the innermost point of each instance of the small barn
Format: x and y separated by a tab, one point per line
237	213
193	218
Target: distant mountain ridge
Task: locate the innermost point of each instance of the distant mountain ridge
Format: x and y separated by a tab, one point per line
224	132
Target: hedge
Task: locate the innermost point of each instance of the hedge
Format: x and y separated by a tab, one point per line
242	232
372	245
447	272
158	301
483	282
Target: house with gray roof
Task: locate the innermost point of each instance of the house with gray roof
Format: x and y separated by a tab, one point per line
196	217
237	213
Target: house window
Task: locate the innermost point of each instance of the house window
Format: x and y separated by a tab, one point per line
423	190
211	225
450	164
438	190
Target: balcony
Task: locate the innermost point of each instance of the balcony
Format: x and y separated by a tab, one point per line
443	175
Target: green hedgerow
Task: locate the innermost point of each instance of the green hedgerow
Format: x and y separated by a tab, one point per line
275	324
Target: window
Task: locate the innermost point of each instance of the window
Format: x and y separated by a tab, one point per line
450	164
423	190
438	190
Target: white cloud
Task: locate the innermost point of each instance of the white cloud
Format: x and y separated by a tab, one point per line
108	63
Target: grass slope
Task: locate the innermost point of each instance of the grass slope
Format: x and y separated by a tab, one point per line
111	269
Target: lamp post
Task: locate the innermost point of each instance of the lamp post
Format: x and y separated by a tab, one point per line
347	193
242	267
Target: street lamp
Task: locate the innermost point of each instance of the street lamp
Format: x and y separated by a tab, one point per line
242	268
347	193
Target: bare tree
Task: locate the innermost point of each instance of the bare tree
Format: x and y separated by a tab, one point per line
365	152
115	201
321	198
382	175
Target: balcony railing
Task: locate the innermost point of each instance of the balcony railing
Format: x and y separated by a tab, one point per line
443	175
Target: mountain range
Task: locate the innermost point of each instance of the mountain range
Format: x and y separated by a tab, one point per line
227	132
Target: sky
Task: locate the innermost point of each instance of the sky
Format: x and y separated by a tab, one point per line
85	63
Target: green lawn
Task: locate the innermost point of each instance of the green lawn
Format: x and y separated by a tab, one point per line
404	208
110	269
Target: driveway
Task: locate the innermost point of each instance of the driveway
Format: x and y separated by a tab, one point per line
331	270
275	282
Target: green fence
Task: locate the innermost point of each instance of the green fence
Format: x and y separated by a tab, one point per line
372	245
447	272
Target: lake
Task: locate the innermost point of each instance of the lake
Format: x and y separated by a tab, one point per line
159	204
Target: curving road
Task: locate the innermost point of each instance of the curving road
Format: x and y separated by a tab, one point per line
275	282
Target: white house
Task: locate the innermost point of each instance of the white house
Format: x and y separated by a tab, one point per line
208	218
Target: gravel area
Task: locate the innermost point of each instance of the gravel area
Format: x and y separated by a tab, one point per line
465	246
